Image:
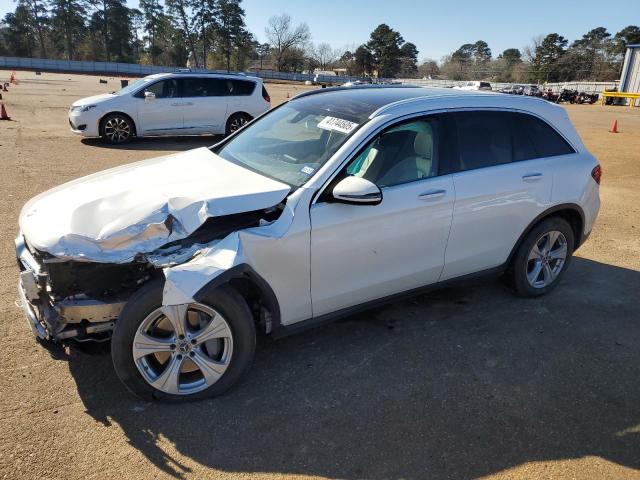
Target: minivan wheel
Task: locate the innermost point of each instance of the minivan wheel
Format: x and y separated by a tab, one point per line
236	122
183	352
542	258
116	129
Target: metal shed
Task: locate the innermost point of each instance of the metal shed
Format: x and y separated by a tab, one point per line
630	78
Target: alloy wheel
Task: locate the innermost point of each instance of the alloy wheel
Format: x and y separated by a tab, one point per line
237	123
183	349
117	130
546	259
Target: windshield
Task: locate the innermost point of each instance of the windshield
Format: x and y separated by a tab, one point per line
290	143
131	87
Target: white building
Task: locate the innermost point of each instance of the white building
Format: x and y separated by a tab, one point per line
630	78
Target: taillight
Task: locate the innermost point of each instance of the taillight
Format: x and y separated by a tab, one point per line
596	173
265	95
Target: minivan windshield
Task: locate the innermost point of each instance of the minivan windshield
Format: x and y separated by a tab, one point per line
290	143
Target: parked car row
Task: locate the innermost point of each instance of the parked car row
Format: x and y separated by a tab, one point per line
566	95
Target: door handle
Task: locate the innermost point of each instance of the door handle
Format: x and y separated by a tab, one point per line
531	177
432	194
181	104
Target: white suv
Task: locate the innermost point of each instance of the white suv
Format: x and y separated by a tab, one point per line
333	202
181	103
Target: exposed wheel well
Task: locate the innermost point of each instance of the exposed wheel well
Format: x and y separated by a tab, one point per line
101	122
256	292
572	214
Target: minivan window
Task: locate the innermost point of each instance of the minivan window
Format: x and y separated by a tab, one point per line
164	88
204	87
241	87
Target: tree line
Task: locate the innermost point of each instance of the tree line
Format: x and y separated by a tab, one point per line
204	33
213	34
596	56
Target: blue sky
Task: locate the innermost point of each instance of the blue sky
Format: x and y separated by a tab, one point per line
438	27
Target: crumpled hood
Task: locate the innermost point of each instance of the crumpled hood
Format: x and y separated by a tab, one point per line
113	215
94	100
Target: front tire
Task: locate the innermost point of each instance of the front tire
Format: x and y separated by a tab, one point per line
117	129
542	258
185	352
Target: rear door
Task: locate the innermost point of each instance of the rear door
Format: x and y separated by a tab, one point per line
164	114
205	104
502	184
241	98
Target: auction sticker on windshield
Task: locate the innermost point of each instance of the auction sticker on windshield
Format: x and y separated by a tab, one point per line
337	125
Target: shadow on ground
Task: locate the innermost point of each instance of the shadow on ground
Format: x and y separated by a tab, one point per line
152	144
459	383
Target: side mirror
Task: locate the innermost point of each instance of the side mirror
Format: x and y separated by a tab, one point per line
357	191
149	96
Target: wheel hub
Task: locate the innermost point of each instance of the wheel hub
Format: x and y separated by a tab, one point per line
184	346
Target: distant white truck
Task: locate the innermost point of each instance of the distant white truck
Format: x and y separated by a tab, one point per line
474	85
323	73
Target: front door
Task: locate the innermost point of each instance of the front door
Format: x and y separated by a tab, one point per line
363	252
164	114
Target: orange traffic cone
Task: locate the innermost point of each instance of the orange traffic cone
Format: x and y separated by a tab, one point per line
3	113
614	127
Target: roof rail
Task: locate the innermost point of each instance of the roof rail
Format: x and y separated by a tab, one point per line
209	72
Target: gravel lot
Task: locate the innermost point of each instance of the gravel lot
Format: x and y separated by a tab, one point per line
462	383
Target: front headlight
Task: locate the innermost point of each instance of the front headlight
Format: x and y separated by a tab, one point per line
82	108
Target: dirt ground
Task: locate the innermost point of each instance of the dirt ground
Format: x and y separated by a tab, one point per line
466	382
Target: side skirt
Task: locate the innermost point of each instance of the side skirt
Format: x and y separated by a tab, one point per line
281	331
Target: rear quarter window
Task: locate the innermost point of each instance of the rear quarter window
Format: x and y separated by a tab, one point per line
547	142
241	87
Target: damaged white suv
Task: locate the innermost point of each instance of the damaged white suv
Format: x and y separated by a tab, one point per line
332	202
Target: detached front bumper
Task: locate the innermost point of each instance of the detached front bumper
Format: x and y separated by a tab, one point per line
79	317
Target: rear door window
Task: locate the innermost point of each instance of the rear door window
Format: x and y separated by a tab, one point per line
484	139
204	87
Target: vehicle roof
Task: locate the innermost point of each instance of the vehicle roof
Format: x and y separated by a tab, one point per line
362	102
183	74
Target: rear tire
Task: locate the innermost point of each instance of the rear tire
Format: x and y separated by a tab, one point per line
542	258
201	372
236	122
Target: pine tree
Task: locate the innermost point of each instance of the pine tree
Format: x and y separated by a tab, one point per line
68	18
